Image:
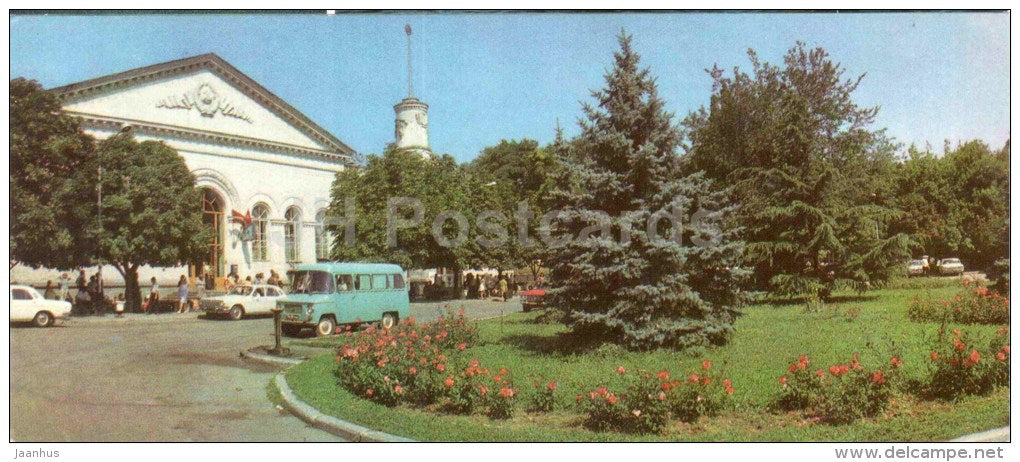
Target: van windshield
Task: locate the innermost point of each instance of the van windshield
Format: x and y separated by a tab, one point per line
312	282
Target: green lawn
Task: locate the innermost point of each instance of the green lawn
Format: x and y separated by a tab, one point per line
767	338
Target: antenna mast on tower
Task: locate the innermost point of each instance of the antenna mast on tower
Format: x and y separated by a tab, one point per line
410	86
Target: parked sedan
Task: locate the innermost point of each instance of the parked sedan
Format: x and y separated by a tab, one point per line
533	299
28	305
950	266
243	300
915	268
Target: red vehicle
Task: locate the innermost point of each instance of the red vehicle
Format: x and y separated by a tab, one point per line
533	299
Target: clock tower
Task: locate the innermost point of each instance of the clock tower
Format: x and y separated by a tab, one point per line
412	122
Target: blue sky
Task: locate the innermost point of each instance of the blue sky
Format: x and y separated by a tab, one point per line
487	77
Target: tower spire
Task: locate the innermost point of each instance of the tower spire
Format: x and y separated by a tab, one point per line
410	85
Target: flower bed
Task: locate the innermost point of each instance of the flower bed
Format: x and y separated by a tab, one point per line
974	304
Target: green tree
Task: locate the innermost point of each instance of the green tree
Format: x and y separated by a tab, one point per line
956	204
677	287
811	177
46	147
150	209
510	173
435	181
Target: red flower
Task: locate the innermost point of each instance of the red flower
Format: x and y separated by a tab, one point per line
666	386
448	383
834	370
975	356
706	381
782	380
726	383
1000	356
803	360
793	368
484	390
506	392
551	386
819	372
369	392
663	375
602	391
854	363
693	378
620	370
729	390
934	355
895	362
440	367
462	346
958	344
503	372
412	370
398	389
611	399
877	378
706	364
662	396
1005	349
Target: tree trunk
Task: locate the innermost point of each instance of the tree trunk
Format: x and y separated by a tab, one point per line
132	291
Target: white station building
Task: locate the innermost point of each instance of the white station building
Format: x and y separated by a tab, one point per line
250	152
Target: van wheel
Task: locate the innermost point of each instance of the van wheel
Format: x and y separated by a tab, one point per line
325	327
389	320
236	312
42	319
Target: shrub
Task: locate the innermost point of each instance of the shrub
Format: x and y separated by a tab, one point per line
960	367
843	393
973	305
648	402
543	395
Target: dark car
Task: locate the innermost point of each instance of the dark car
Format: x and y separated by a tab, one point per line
533	299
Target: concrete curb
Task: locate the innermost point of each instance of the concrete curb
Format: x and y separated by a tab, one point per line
269	359
995	435
338	427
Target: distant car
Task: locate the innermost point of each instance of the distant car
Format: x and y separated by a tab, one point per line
950	266
28	305
915	268
243	300
533	299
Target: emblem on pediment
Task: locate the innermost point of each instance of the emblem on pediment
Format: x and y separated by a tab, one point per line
206	101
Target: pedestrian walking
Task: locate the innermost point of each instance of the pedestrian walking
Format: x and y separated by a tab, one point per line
150	303
182	295
65	282
504	288
481	288
49	293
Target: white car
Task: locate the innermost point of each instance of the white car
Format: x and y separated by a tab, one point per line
915	268
243	300
28	305
950	266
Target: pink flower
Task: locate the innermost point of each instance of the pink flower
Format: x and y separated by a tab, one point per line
706	364
620	370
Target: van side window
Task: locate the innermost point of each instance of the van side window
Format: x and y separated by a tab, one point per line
398	281
344	282
364	282
379	282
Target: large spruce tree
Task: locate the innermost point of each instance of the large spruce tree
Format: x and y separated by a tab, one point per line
614	281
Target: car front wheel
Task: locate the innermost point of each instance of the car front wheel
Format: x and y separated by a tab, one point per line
42	319
236	312
326	326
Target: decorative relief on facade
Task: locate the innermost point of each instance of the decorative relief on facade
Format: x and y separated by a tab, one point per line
422	119
206	101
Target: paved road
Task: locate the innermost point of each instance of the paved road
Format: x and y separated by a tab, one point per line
158	378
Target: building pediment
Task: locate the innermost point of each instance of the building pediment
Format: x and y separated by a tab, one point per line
203	95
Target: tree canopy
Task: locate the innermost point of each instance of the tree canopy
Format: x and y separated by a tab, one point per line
46	147
150	208
809	174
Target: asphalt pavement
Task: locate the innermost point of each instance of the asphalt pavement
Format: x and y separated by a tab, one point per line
167	377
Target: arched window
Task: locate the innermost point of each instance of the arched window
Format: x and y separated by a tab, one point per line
260	220
290	234
321	236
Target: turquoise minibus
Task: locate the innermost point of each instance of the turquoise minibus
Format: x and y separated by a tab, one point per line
325	295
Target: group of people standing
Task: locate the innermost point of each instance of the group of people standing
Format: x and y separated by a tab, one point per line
234	279
483	287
